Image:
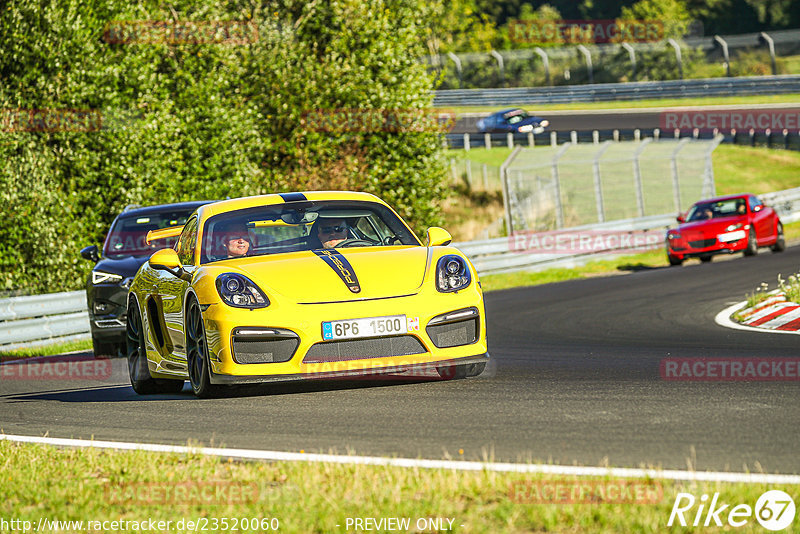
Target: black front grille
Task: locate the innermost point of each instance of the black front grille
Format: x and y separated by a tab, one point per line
264	350
361	349
453	334
703	243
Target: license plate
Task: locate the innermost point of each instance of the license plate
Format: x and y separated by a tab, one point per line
366	327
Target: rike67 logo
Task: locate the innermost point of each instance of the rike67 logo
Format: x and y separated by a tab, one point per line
774	510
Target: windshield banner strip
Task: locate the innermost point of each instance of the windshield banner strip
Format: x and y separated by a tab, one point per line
342	267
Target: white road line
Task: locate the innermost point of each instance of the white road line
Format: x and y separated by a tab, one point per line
250	454
723	318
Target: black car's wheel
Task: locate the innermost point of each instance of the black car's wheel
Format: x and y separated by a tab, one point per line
706	258
107	350
136	353
197	353
453	372
752	245
780	241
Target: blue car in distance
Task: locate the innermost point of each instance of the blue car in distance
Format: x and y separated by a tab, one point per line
514	120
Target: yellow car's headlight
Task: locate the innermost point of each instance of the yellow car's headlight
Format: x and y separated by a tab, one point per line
452	274
240	292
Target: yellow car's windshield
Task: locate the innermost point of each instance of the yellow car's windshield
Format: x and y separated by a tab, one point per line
304	225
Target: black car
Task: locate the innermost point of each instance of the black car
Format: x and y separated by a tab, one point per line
512	120
124	251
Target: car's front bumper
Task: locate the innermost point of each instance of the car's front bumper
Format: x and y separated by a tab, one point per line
682	248
304	321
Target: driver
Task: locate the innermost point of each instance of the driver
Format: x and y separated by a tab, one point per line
236	240
331	232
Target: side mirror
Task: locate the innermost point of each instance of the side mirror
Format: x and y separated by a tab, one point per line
758	208
681	218
91	253
167	259
438	236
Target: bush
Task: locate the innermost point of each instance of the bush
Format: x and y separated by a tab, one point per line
199	121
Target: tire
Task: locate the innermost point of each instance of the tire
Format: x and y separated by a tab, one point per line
197	353
673	261
752	245
780	241
453	372
106	350
136	354
706	259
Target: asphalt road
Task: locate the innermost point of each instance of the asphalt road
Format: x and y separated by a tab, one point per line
575	379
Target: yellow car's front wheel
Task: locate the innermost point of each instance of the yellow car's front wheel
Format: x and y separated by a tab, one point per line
197	353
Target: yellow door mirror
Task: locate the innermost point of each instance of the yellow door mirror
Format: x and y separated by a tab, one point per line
438	236
165	259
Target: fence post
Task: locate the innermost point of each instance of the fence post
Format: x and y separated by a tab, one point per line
598	187
466	141
678	59
553	139
573	137
504	183
708	174
554	173
673	162
510	140
546	62
766	39
487	140
468	164
459	70
485	170
632	55
500	66
637	176
719	41
530	139
588	57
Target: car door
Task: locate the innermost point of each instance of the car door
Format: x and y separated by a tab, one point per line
172	289
762	217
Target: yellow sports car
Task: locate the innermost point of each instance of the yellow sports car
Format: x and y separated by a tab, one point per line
301	285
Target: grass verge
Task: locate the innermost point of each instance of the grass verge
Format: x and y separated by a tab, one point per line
41	481
47	350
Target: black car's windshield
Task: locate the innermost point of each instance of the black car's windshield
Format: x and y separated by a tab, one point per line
127	235
305	225
711	210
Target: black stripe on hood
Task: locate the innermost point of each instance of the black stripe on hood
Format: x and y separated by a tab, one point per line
341	266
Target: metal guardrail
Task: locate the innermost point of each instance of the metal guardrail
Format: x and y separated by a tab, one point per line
492	256
43	319
608	92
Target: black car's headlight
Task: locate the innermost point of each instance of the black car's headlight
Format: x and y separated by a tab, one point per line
240	292
99	277
452	274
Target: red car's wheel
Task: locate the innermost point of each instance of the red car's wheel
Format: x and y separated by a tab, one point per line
752	246
780	242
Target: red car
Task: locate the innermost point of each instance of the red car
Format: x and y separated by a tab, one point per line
724	225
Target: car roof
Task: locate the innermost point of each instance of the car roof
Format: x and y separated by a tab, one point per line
503	112
160	208
724	197
281	198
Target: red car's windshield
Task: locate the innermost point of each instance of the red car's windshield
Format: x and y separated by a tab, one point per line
722	208
127	235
